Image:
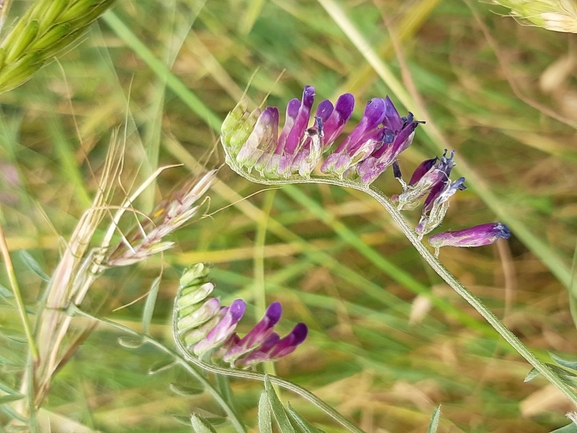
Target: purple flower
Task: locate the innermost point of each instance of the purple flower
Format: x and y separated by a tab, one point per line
229	318
329	124
360	142
430	175
256	336
335	123
275	347
437	203
401	131
423	169
251	139
484	234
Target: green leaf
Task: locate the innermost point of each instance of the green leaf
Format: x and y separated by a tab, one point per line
160	366
31	262
10	398
566	376
149	305
184	420
279	412
302	423
533	373
201	425
570	428
571	365
130	342
186	391
434	424
264	414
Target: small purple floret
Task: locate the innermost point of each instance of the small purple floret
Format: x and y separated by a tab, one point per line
292	111
257	335
288	344
484	234
422	169
230	317
334	125
296	133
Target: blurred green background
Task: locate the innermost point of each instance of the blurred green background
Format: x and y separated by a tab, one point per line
503	95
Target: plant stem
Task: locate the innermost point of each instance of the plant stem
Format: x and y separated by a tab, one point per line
74	310
185	358
468	296
18	296
435	264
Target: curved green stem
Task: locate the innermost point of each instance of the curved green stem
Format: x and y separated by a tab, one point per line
238	425
435	264
253	375
185	359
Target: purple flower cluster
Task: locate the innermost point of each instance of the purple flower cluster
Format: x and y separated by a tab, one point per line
207	327
251	141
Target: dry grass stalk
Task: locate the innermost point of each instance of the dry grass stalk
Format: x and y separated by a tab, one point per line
82	264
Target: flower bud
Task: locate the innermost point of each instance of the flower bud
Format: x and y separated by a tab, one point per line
484	234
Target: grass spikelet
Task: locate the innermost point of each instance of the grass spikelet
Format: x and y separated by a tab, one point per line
82	263
45	30
555	15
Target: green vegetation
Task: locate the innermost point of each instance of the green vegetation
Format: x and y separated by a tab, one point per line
148	85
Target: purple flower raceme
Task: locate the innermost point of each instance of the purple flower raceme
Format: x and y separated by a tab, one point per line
484	234
207	328
251	141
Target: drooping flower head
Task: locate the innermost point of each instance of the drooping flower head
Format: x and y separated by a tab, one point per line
252	142
251	139
207	328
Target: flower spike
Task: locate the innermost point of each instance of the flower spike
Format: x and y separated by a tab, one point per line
251	139
373	146
206	328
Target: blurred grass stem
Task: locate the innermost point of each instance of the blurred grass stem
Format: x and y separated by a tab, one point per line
18	296
4	9
160	69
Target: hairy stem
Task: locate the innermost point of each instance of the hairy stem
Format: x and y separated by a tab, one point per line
185	359
435	264
182	361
